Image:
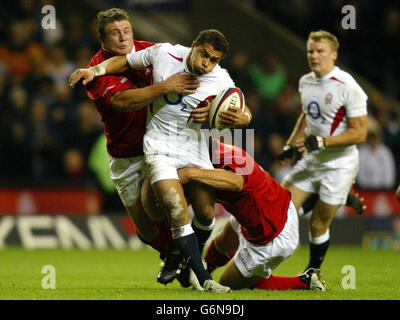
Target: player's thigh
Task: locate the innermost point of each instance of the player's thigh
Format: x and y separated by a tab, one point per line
322	217
227	240
150	202
335	184
171	197
299	196
143	224
127	175
202	199
233	278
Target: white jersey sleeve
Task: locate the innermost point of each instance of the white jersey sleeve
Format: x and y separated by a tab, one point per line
143	58
355	99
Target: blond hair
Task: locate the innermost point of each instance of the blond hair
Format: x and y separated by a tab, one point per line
324	35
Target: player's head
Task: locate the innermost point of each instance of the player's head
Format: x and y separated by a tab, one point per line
322	52
115	31
208	49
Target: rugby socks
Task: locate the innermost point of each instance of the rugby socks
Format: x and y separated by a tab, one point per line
216	259
309	204
318	248
163	241
186	241
280	283
202	232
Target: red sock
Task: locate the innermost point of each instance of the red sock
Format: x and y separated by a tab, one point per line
164	240
216	259
280	283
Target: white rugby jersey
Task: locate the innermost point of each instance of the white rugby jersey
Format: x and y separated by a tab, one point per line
328	101
170	114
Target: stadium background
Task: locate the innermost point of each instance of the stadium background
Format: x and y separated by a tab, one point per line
54	186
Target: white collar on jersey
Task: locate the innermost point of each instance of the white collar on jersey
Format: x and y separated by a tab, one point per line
327	76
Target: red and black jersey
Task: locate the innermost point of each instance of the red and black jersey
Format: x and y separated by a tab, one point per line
261	206
124	130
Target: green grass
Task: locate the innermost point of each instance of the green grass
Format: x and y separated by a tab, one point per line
127	274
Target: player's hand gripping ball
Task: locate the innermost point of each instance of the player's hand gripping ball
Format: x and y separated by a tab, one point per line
224	101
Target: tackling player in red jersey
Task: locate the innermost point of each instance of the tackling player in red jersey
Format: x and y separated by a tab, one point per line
263	230
121	100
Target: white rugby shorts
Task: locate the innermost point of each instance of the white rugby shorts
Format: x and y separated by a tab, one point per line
331	179
127	175
261	260
164	156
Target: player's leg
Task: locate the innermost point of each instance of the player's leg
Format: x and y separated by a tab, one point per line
222	248
299	196
171	197
127	175
320	222
171	257
150	203
334	186
253	264
202	199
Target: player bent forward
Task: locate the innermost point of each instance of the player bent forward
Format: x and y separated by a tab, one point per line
263	230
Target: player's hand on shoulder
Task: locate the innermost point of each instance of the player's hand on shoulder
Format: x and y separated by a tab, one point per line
182	83
234	118
86	74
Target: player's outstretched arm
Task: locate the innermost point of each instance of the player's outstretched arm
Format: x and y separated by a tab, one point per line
398	193
220	179
113	65
355	134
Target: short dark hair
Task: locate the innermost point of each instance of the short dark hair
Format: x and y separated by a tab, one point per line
215	38
105	17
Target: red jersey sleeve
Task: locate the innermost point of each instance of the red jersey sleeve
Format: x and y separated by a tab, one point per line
102	88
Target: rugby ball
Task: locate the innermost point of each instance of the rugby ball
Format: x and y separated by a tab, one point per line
226	99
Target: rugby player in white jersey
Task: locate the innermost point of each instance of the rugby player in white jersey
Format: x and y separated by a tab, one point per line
173	140
333	121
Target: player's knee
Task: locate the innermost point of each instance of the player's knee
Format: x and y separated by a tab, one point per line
318	228
205	215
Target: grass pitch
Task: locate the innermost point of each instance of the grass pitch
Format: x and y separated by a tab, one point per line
131	275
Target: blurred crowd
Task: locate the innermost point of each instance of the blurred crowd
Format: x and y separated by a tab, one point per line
49	131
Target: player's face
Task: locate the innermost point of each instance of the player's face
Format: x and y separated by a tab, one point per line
118	37
203	58
321	57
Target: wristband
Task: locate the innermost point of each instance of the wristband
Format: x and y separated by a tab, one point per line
98	71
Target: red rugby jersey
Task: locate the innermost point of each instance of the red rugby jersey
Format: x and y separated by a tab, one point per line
124	130
261	207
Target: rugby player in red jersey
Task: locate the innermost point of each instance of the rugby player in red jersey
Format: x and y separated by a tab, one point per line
263	230
121	100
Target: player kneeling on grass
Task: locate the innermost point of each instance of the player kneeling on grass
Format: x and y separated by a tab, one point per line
263	230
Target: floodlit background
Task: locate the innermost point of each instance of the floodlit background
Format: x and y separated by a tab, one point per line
53	160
